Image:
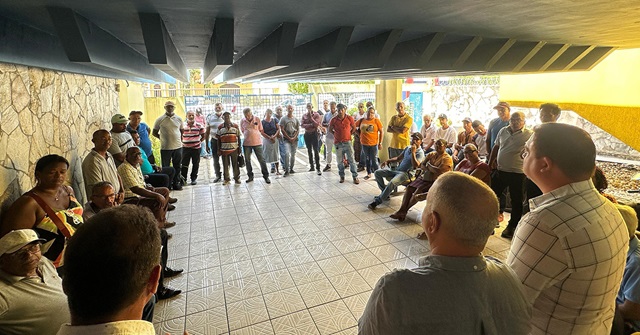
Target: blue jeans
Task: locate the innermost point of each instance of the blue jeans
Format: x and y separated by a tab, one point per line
395	178
370	158
341	149
289	155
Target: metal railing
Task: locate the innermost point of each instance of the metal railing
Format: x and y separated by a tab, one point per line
205	91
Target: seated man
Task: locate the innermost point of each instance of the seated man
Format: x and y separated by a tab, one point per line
136	192
628	299
434	164
31	296
409	159
112	270
102	198
455	290
473	165
155	175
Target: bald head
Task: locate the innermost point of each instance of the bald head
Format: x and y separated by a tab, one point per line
467	208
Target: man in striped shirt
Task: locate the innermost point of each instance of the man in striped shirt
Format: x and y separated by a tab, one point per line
192	138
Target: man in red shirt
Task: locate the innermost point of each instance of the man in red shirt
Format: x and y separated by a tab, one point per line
342	127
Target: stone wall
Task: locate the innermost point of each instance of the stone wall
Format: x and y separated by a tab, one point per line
48	112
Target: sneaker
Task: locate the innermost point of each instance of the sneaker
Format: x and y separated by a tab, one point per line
356	181
291	171
267	180
250	179
286	174
312	169
319	172
217	180
341	180
326	168
372	205
193	182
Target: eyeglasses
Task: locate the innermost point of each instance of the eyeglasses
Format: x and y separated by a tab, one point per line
23	253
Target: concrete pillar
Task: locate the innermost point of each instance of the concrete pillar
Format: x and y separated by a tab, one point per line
388	92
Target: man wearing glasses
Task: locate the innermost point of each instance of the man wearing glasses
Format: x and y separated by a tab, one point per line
31	297
506	160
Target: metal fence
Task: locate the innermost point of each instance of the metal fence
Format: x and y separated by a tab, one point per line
235	103
350	99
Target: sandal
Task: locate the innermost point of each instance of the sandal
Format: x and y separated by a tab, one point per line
422	236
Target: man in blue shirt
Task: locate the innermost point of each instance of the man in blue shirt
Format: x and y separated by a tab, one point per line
135	118
409	159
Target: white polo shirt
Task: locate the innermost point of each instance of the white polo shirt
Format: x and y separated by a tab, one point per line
169	129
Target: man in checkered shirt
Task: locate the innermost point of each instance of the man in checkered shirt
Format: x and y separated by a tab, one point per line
570	250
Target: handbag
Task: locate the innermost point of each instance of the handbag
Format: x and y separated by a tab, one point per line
241	162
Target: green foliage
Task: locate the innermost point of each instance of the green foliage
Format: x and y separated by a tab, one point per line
298	88
195	76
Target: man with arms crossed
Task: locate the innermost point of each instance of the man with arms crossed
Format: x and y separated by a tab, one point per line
570	250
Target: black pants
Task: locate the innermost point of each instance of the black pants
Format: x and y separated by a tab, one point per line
531	191
515	183
193	155
164	256
312	143
162	178
215	158
172	157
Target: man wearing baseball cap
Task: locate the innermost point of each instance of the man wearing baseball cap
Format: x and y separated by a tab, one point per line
120	138
135	123
31	297
168	128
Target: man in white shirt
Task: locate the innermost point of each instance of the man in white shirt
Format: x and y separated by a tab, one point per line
31	296
120	138
570	250
428	132
446	132
480	139
168	128
103	303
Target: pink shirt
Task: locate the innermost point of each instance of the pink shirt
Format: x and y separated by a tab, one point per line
251	131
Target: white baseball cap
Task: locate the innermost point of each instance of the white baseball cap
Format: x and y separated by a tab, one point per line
17	239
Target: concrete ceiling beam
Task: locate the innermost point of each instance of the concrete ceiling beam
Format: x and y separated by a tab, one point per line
220	52
161	52
274	52
517	56
326	52
592	58
86	43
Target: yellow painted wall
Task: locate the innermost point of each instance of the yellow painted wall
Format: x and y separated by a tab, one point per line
131	96
607	95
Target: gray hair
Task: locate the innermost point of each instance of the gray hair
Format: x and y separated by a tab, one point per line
468	207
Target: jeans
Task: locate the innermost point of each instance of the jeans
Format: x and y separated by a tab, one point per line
311	141
394	152
172	157
515	182
289	155
216	158
233	160
341	149
370	158
394	177
193	155
247	155
328	149
162	178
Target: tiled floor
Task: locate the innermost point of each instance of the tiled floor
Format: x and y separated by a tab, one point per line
298	256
